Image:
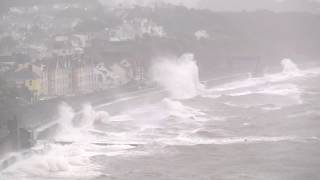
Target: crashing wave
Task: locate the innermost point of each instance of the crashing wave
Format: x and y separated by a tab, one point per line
179	76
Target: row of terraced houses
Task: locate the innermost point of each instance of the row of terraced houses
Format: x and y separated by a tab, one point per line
64	75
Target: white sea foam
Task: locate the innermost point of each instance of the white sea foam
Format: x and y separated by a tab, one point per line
191	140
88	116
179	76
66	115
168	122
280	89
177	109
289	70
272	84
271	108
288	90
277	95
250	82
304	114
136	126
145	125
75	125
55	161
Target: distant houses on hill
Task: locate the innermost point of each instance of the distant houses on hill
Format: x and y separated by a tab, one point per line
66	75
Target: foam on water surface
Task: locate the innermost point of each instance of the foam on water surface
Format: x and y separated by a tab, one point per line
289	71
190	140
55	161
270	85
141	130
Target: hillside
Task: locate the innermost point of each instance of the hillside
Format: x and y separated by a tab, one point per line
36	28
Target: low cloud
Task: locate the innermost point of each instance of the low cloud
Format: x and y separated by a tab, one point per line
251	5
225	5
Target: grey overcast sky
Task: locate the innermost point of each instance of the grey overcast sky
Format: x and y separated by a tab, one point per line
232	5
277	5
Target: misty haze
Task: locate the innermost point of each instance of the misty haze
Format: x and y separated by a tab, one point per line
159	89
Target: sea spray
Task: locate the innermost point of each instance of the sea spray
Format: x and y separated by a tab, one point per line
68	128
179	76
66	115
76	125
290	68
86	117
57	162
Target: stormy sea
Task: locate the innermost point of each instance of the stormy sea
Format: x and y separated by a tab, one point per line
257	128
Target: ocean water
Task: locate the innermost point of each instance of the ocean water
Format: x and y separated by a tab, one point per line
265	128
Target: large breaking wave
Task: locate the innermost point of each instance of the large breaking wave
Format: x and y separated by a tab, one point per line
180	76
143	129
